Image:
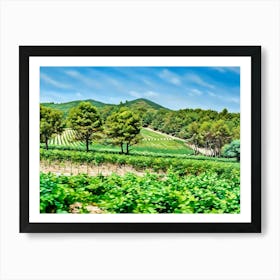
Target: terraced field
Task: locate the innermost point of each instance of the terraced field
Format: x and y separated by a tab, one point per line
67	138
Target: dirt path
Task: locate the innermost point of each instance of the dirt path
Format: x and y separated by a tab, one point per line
203	151
69	168
76	208
165	135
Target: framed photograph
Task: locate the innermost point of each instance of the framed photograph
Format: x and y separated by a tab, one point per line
140	138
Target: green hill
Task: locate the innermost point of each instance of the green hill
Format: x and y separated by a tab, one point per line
65	107
142	102
134	104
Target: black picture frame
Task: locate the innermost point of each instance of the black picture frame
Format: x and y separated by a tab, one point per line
254	52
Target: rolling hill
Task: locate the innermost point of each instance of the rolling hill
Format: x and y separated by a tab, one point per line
134	104
65	107
142	102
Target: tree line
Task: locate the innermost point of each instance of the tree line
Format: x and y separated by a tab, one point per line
120	125
206	129
121	128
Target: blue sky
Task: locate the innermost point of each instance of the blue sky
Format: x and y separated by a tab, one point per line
172	87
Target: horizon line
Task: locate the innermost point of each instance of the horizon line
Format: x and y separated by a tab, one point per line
115	104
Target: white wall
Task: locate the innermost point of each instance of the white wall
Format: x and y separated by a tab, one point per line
139	256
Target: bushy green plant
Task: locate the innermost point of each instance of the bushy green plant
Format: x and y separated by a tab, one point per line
232	150
205	193
184	166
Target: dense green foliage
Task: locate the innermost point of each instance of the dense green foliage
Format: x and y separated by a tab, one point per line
205	193
182	165
85	120
176	122
123	128
232	150
51	124
203	129
210	135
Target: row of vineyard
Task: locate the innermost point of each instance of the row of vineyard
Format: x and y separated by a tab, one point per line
66	138
140	162
151	142
205	193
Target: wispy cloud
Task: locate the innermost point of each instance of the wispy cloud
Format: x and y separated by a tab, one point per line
235	100
170	77
212	93
147	82
50	96
232	69
89	81
151	94
219	69
224	98
115	83
193	78
235	70
195	92
147	94
50	81
134	93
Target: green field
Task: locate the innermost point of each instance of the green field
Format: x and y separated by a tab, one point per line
151	142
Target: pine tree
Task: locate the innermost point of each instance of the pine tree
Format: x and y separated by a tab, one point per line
85	120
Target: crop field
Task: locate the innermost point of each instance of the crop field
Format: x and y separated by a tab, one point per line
140	162
67	138
168	185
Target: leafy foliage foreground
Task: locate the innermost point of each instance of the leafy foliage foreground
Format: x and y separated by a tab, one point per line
205	193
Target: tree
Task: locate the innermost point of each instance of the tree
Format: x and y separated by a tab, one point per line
207	137
224	114
194	135
236	132
123	128
85	120
221	135
232	150
106	111
51	124
159	119
147	117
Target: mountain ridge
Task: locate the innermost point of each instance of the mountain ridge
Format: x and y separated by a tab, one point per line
136	103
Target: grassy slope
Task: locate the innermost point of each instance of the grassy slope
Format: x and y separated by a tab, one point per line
152	142
155	142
